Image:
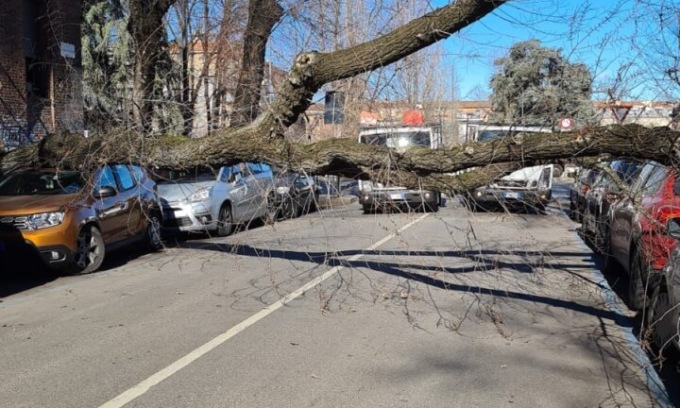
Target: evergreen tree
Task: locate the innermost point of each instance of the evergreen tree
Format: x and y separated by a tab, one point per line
535	85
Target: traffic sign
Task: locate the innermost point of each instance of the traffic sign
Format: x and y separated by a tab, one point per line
566	123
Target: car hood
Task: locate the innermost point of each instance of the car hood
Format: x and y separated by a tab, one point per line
178	191
527	177
34	204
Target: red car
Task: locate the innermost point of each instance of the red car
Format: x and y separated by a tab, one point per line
639	243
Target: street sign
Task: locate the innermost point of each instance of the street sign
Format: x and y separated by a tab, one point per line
566	123
68	50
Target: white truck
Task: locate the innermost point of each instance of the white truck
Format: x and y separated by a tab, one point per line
528	187
380	196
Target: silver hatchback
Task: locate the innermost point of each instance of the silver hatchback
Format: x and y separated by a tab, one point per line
208	202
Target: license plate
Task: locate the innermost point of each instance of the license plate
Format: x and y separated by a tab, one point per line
511	195
397	196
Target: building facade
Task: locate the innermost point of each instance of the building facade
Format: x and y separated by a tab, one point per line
40	69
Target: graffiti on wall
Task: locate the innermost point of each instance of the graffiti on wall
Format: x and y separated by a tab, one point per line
14	136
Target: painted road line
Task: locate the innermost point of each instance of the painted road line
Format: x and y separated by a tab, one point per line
144	386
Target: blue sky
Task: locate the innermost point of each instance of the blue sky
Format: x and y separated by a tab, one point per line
605	35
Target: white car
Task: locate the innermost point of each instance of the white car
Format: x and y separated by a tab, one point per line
206	202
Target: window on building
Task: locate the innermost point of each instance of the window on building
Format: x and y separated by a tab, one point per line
37	78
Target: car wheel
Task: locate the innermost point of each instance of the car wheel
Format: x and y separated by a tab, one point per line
540	209
225	221
434	207
90	251
288	209
605	253
154	242
367	209
272	210
660	315
636	289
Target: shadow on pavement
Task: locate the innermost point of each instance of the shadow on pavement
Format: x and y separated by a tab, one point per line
485	260
666	370
17	277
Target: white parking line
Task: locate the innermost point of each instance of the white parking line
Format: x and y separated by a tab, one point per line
144	386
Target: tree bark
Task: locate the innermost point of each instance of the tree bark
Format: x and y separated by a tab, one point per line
147	30
262	16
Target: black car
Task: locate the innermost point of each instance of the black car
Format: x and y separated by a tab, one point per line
607	188
578	191
662	317
292	195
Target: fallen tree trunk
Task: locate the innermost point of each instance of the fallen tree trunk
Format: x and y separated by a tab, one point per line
348	157
263	139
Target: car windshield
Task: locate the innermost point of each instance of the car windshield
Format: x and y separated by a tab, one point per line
42	183
486	135
173	176
397	139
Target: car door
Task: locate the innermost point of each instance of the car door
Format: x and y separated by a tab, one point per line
623	214
263	180
255	202
132	199
109	210
234	183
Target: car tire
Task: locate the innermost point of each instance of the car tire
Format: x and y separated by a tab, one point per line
661	312
607	259
367	209
636	288
90	251
288	208
225	221
540	209
434	207
153	236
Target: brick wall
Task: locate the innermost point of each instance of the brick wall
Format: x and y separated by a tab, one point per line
31	52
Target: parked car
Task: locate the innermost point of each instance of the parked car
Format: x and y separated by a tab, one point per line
638	243
204	202
292	195
578	192
70	220
526	188
333	188
607	188
662	317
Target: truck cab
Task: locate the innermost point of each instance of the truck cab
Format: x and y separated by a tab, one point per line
381	196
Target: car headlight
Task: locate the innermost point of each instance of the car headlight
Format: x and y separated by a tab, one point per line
44	220
282	190
200	195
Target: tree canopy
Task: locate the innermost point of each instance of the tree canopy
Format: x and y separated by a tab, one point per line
536	85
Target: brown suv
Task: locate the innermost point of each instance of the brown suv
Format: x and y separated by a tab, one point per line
71	219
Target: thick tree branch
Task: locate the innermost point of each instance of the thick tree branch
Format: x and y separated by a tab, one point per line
262	16
312	70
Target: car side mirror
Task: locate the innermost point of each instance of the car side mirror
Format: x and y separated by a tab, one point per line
105	191
673	228
676	186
